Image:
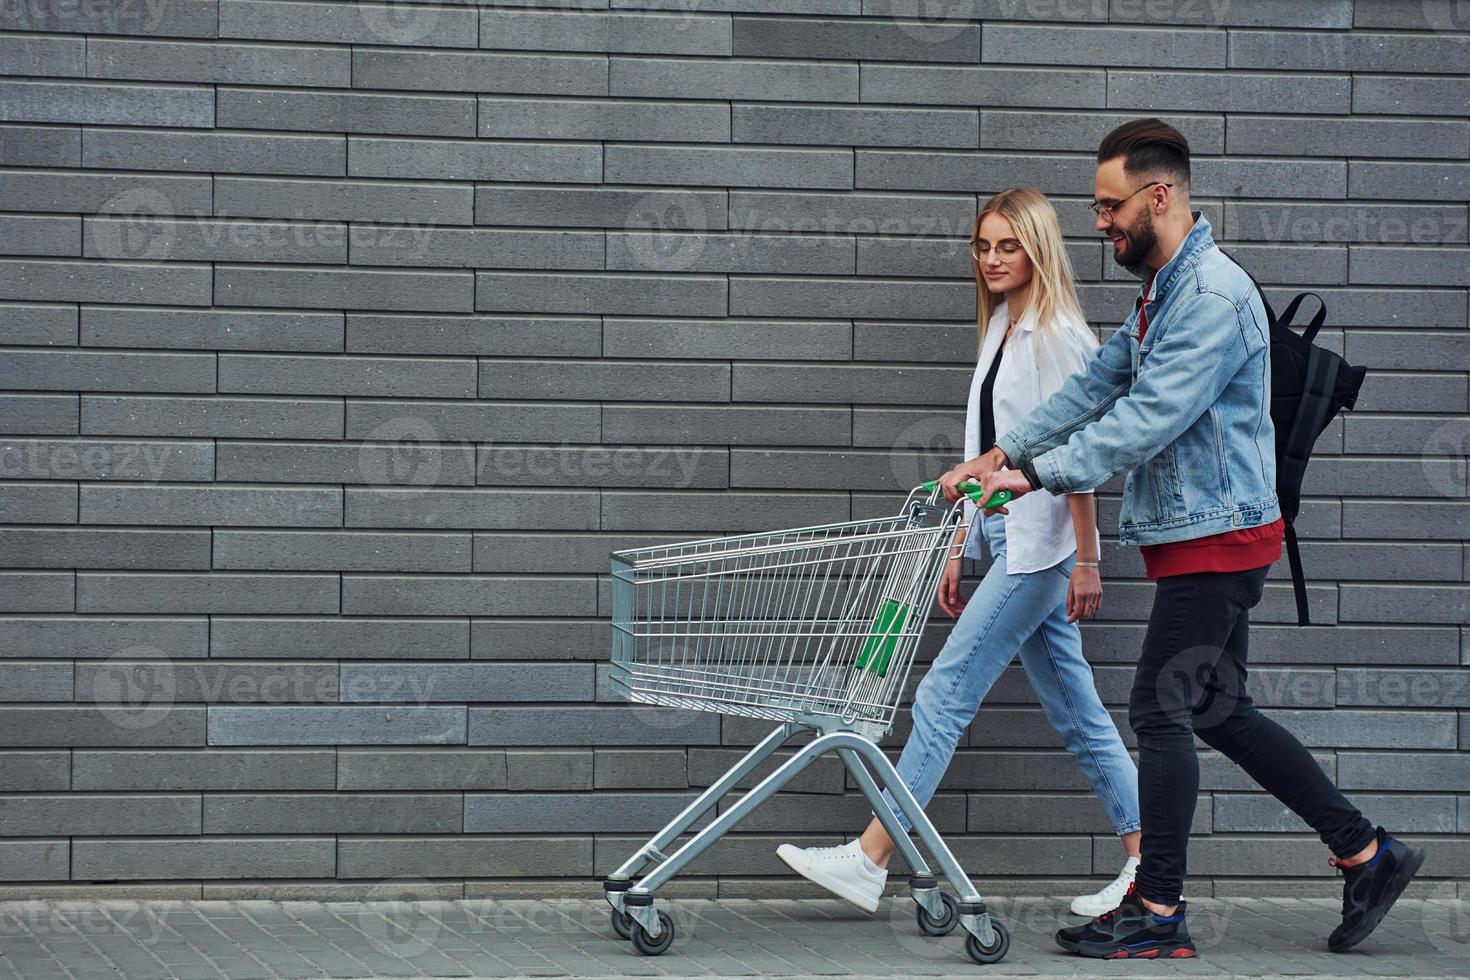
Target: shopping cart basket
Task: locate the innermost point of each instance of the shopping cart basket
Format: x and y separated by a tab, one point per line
813	628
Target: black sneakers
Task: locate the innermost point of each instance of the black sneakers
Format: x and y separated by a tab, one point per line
1371	888
1130	931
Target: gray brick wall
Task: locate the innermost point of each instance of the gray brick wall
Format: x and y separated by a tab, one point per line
340	342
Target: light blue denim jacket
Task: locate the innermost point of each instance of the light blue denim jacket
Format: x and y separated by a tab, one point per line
1186	413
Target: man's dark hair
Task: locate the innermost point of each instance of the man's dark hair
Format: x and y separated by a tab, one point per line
1149	147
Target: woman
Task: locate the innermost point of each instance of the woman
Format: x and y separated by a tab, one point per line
1044	574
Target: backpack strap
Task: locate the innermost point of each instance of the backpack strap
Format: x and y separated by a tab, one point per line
1311	416
1289	314
1271	318
1298	577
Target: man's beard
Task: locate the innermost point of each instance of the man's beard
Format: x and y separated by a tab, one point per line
1140	240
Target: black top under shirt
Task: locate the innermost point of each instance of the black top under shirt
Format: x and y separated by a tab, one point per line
987	406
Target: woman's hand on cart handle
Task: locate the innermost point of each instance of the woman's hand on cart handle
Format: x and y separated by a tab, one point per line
971	469
974	492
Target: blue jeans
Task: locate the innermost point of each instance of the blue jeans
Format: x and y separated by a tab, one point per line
1010	613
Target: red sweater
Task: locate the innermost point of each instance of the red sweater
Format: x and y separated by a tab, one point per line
1228	551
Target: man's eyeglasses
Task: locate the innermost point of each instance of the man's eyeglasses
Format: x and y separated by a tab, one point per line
1007	249
1103	210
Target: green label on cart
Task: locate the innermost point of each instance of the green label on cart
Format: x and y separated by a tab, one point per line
883	639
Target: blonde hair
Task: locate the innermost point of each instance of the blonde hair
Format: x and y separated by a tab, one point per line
1053	293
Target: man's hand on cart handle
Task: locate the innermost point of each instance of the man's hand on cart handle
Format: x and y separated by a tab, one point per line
1013	480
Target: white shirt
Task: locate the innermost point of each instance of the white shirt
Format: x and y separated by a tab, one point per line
1036	362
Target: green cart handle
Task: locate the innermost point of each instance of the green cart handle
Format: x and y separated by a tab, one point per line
975	491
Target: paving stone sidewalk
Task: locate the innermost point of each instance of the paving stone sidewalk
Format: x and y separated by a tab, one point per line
728	937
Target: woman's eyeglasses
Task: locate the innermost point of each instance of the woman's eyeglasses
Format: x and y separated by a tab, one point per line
1006	249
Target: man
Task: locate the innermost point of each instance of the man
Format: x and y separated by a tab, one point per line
1178	399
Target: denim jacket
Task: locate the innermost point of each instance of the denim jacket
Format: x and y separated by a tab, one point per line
1186	414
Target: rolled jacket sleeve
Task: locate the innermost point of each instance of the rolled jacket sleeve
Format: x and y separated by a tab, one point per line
1103	377
1192	360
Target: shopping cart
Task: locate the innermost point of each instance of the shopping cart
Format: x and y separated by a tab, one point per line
814	628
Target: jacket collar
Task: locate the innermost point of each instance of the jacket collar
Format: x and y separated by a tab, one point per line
1198	239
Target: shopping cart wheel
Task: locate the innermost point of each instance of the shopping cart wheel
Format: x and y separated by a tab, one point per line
993	953
649	946
945	923
622	923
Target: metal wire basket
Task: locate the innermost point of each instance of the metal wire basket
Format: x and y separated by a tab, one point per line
783	625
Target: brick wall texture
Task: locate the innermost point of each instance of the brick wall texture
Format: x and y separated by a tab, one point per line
340	342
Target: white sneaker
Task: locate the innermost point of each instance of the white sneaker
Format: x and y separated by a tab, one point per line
1107	899
838	869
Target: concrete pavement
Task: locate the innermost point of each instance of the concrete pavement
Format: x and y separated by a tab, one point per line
727	937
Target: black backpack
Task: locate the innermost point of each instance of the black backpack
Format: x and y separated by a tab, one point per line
1309	386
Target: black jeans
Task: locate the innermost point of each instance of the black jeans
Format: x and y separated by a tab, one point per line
1191	681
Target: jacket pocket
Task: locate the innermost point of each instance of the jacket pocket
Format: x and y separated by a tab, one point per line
1160	477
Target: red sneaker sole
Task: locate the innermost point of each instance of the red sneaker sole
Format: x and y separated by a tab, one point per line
1149	954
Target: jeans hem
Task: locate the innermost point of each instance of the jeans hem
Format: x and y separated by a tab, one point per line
1351	850
1141	889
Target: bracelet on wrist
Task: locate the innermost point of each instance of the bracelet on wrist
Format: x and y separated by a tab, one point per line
1084	564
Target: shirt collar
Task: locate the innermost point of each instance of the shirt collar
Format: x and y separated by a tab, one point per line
1000	316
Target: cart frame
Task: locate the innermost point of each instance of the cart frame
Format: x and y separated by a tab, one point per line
629	889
